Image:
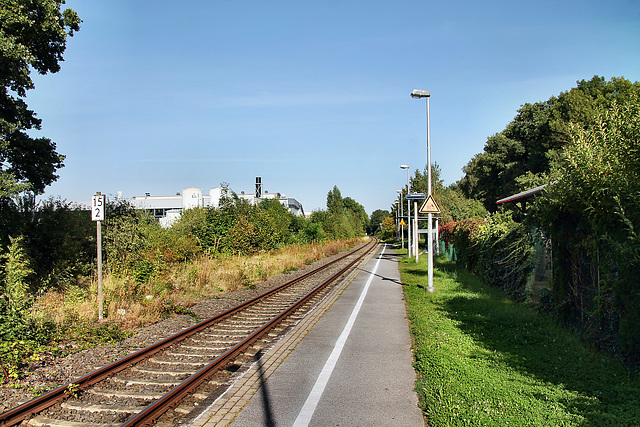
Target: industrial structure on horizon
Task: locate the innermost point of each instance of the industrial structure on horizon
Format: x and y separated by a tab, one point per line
167	209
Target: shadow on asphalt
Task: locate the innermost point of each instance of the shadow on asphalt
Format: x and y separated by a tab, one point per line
387	256
264	390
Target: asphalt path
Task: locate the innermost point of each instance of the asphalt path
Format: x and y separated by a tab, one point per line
353	368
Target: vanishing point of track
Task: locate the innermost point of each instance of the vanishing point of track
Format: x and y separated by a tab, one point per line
165	380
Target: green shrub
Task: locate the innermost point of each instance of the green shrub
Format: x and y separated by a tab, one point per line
17	269
465	241
507	250
498	249
592	212
125	239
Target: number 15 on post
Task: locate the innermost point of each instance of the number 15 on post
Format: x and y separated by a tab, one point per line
97	207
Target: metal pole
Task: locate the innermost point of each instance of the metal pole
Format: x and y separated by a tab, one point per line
402	218
397	224
437	239
415	230
418	94
409	228
430	287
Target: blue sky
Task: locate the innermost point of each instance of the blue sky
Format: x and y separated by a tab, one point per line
157	96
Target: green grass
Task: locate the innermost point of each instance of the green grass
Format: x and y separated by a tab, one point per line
482	359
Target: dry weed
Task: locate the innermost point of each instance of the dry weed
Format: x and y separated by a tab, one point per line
132	305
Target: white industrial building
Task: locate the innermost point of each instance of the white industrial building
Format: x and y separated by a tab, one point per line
168	208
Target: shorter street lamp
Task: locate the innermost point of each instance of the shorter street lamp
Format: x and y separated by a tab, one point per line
414	238
408	211
401	218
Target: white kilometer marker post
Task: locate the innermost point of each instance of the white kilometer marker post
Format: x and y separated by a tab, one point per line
97	214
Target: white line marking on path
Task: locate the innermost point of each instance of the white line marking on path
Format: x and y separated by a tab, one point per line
309	407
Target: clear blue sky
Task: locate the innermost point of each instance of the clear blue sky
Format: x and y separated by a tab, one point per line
156	96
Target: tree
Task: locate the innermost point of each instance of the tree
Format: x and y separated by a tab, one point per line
388	227
491	175
453	204
532	141
335	205
357	212
345	218
33	36
377	217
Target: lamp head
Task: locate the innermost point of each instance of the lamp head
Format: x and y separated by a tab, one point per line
417	94
404	166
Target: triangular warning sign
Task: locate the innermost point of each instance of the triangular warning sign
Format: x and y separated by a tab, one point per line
402	222
429	206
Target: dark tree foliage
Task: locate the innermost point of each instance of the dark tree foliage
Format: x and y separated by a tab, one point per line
345	218
535	137
453	204
59	240
33	36
377	217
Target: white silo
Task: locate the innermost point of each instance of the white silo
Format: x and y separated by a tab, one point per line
214	196
191	198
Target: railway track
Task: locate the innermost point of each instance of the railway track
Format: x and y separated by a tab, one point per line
168	379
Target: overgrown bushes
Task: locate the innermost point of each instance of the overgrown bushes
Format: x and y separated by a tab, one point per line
584	144
592	212
498	249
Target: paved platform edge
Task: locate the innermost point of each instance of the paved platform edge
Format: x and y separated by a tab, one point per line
227	407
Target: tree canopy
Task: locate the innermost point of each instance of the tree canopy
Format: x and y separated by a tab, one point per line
377	217
453	204
344	217
533	140
33	35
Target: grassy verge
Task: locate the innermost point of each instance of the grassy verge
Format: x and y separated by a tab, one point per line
484	360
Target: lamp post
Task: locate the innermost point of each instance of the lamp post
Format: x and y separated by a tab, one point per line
418	94
408	212
401	218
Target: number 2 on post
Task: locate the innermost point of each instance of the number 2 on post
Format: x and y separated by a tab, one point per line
97	211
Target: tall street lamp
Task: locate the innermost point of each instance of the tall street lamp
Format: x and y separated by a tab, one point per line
408	212
401	218
418	94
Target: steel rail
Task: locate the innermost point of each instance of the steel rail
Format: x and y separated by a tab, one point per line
20	413
152	412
